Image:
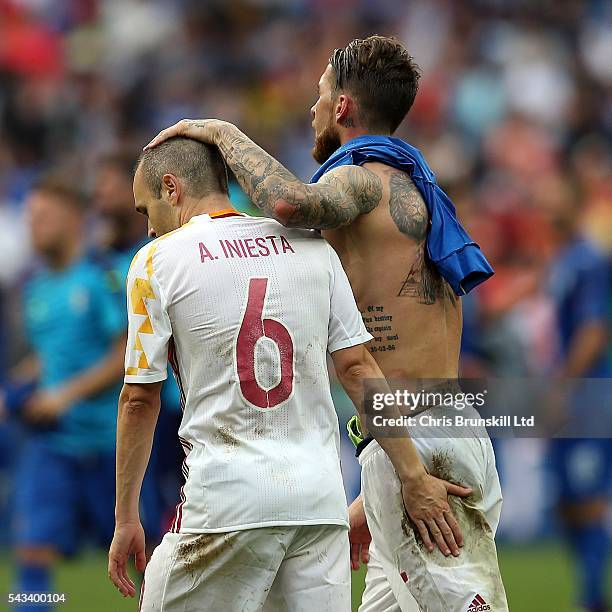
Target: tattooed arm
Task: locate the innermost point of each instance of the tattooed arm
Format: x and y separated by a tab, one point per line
338	198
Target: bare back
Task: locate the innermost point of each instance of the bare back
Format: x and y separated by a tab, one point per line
407	306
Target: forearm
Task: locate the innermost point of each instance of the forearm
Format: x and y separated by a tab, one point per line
399	447
99	377
282	196
269	185
339	196
136	422
585	349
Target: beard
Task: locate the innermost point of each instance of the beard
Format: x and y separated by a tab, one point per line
326	144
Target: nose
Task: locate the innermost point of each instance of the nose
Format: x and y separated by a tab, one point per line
312	111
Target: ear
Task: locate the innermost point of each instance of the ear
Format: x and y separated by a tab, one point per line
342	108
151	230
171	189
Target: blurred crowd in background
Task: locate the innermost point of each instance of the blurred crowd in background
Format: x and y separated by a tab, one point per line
514	115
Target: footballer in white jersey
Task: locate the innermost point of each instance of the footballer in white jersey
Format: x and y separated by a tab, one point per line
246	311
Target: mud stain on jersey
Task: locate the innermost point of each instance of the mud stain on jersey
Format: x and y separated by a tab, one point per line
225	350
305	353
203	550
227	436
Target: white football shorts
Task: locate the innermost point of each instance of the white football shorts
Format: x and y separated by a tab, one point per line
272	569
402	574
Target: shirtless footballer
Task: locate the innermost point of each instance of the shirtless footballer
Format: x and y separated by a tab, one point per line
375	218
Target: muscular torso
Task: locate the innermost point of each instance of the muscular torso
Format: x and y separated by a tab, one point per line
407	306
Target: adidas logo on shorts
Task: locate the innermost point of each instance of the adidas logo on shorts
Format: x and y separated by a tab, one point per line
478	605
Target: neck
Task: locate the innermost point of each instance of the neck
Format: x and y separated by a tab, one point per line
347	134
351	133
64	256
203	206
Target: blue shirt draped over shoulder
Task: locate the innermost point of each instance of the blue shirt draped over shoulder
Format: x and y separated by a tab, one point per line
456	256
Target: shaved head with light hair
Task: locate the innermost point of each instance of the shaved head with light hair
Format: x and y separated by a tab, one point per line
199	165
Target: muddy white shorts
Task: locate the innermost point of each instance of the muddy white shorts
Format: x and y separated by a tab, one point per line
273	569
402	574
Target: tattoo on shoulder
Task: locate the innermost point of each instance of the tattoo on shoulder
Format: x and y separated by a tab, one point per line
409	212
407	207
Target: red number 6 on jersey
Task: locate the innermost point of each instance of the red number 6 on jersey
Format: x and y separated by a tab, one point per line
254	327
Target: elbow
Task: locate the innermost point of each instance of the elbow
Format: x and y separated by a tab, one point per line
136	400
282	212
355	373
354	365
354	377
278	199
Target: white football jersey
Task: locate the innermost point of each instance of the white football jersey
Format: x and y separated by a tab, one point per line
246	310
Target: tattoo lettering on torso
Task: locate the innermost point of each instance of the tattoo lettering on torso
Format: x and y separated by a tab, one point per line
409	212
380	325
